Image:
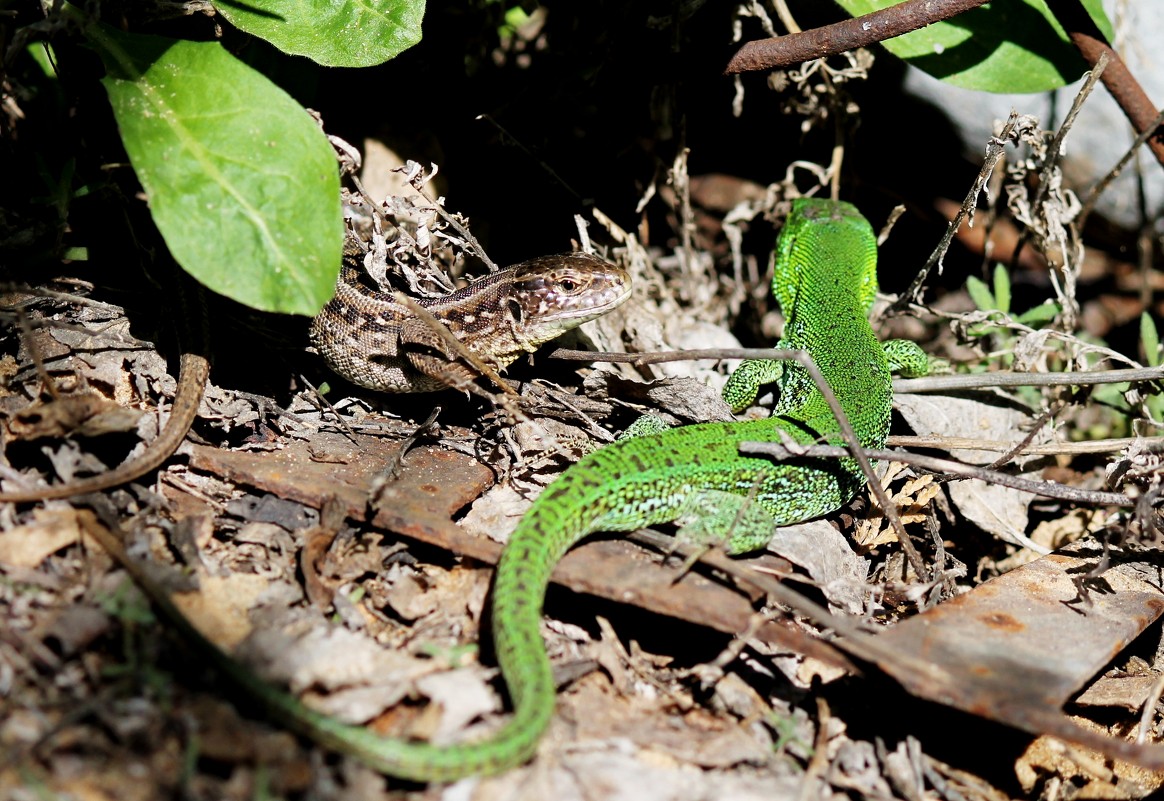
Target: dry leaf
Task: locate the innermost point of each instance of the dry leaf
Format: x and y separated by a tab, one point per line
30	544
220	608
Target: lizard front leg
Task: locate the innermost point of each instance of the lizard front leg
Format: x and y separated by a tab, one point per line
434	362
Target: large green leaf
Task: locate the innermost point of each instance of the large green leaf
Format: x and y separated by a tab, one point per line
1003	46
335	33
241	181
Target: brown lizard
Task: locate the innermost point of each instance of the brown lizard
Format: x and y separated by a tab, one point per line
374	341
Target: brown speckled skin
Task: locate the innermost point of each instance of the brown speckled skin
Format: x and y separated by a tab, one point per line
372	340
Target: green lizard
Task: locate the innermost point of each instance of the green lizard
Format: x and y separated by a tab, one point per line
824	279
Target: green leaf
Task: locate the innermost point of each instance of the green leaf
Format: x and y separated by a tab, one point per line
1004	46
980	294
1150	340
1002	288
241	182
42	54
335	33
1037	315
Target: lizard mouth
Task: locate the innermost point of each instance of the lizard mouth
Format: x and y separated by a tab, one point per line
616	301
608	300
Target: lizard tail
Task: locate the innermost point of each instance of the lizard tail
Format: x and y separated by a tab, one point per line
546	532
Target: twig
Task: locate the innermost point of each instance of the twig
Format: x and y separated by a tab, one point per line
937	383
1047	489
418	180
857	641
1148	710
9	287
1023	445
95	330
927	384
315	393
786	16
34	352
805	360
1124	88
764	54
1056	146
509	139
1154	444
995	147
1103	183
1046	175
456	346
1001	320
391	469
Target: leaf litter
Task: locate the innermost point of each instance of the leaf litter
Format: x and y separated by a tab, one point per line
406	619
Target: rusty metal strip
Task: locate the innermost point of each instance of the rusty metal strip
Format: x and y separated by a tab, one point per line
1018	647
434	484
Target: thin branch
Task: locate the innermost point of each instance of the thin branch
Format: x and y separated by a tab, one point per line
995	147
1124	88
418	179
786	16
1103	183
856	640
765	54
109	339
9	287
1148	710
323	402
1047	489
805	360
927	384
1056	146
854	447
456	346
1046	174
1023	446
937	383
1153	444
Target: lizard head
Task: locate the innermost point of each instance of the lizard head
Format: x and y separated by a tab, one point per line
552	294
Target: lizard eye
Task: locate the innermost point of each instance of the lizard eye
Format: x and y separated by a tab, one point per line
569	285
